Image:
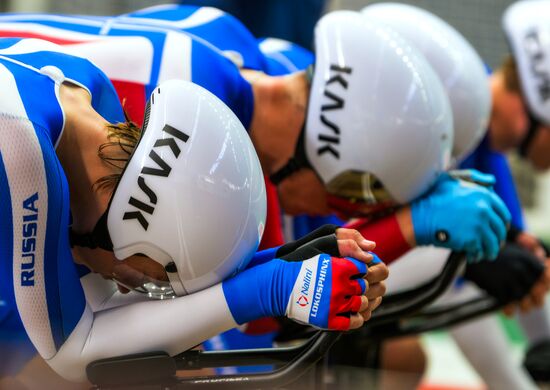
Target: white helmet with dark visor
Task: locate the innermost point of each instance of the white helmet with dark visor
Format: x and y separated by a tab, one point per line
456	62
191	197
527	27
379	125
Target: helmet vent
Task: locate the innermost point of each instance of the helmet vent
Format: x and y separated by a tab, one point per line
146	115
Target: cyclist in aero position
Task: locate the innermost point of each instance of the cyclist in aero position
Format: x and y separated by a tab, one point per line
485	157
464	77
471	116
263	101
447	50
66	145
196	77
227	83
229	70
517	122
521	84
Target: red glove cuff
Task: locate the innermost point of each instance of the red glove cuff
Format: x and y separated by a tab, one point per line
390	242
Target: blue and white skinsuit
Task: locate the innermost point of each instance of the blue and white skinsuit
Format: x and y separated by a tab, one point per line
197	55
72	317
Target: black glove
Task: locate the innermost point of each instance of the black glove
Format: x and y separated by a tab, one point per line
327	244
321	240
514	232
510	277
537	361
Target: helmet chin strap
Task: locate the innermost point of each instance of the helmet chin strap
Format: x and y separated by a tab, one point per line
534	125
299	160
175	281
309	74
294	164
98	238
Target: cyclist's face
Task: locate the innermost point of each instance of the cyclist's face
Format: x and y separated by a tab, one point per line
303	193
135	271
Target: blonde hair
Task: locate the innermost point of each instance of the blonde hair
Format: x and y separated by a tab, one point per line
123	138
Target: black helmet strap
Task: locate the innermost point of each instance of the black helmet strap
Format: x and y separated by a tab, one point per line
98	238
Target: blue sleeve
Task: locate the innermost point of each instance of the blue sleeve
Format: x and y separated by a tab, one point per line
248	294
64	293
104	97
37	273
17	349
495	163
506	189
304	224
223	31
15	346
221	77
283	57
262	257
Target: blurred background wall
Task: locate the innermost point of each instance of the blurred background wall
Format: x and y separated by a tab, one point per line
91	7
478	20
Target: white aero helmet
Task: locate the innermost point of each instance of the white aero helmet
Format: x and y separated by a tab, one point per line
379	126
527	27
455	61
191	197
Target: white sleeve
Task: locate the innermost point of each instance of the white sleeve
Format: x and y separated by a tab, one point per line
172	326
416	267
102	294
39	271
484	344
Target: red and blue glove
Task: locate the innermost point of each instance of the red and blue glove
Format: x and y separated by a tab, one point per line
327	291
322	291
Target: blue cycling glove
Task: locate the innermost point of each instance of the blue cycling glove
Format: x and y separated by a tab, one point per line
462	216
322	291
474	176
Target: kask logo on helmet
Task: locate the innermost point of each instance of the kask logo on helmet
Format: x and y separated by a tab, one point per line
332	139
163	170
536	55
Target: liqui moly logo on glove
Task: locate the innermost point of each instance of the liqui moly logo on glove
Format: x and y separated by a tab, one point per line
320	287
